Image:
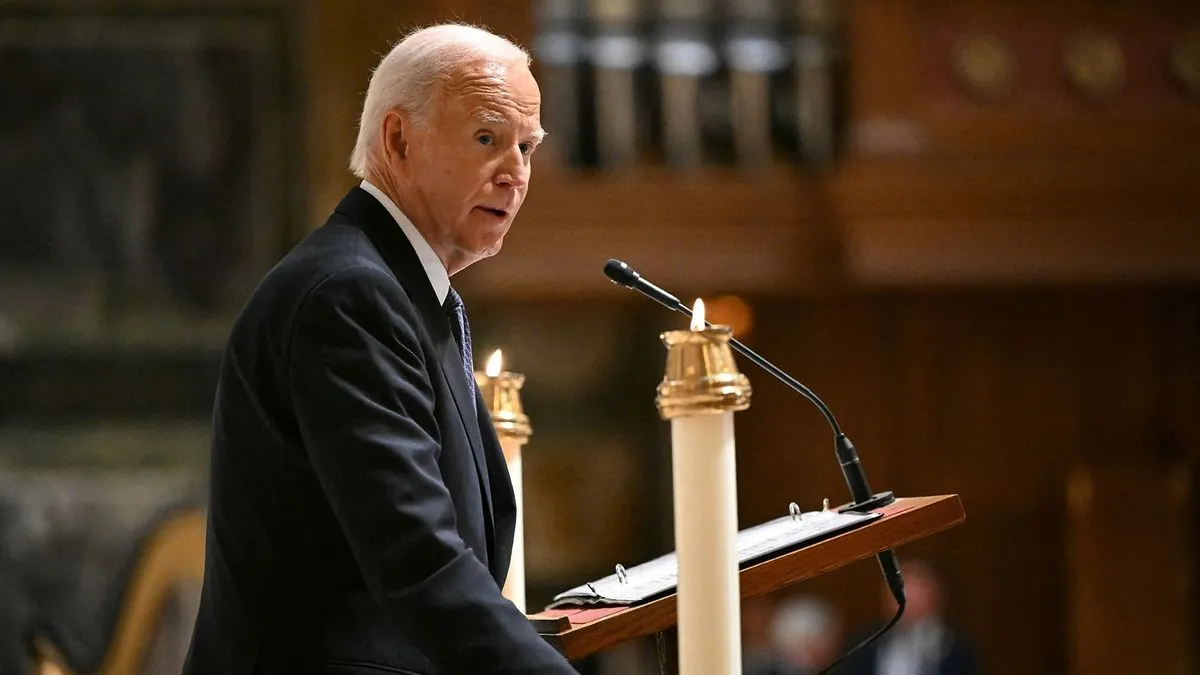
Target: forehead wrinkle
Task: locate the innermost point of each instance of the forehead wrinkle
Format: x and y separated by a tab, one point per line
492	100
477	78
484	86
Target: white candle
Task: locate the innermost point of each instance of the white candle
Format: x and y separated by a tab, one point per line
702	451
514	585
699	394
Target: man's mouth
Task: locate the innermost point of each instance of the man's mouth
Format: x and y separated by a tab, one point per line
499	213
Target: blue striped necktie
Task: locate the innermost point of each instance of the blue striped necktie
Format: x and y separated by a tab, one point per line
456	312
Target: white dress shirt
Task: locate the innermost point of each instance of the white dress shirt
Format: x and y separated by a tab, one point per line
434	269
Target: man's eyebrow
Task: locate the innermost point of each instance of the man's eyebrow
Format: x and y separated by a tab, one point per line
486	116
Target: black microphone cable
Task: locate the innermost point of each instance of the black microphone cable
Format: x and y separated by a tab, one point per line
861	645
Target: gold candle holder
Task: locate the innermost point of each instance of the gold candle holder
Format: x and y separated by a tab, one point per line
701	376
502	393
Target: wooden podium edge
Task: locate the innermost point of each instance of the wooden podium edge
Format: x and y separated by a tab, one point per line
577	633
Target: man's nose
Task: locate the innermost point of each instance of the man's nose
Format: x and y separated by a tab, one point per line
514	170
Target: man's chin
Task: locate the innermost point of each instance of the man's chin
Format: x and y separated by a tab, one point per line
489	247
480	251
489	251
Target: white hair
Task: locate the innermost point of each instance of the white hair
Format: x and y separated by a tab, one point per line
407	75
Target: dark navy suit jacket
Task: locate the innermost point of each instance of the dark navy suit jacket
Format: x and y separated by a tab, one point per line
361	516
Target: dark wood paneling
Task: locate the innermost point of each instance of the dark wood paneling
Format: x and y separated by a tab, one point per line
992	395
1132	556
1040	186
905	99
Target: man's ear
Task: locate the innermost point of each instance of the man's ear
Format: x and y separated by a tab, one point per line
395	132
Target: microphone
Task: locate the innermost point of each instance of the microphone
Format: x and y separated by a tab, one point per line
624	275
856	478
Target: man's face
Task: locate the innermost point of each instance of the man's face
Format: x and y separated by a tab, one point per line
469	165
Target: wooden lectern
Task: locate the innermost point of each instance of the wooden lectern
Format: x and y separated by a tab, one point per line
580	632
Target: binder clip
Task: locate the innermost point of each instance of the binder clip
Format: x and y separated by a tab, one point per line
794	509
622	575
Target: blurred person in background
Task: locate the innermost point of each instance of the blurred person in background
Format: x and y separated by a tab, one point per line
805	637
758	654
922	643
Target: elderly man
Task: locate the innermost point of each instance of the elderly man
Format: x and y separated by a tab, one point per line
361	516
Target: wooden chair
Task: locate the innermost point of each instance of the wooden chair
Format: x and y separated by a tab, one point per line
171	556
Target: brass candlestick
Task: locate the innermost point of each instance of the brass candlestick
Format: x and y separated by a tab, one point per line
501	392
701	376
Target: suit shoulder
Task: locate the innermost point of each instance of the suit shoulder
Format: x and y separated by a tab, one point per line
357	283
330	249
333	258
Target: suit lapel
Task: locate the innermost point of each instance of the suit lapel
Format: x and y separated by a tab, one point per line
456	377
366	213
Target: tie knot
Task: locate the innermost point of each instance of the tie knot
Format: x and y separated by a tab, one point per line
454	302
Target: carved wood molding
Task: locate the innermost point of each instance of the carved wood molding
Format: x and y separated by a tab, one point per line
1103	220
1055	79
1006	252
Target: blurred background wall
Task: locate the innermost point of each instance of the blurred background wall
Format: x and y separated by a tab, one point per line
972	226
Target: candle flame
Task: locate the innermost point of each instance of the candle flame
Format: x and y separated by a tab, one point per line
698	315
493	364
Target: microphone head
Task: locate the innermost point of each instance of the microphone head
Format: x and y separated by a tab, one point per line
620	273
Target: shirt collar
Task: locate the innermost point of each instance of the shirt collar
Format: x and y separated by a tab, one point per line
434	269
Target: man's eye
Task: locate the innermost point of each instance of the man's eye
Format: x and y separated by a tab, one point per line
485	139
526	148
